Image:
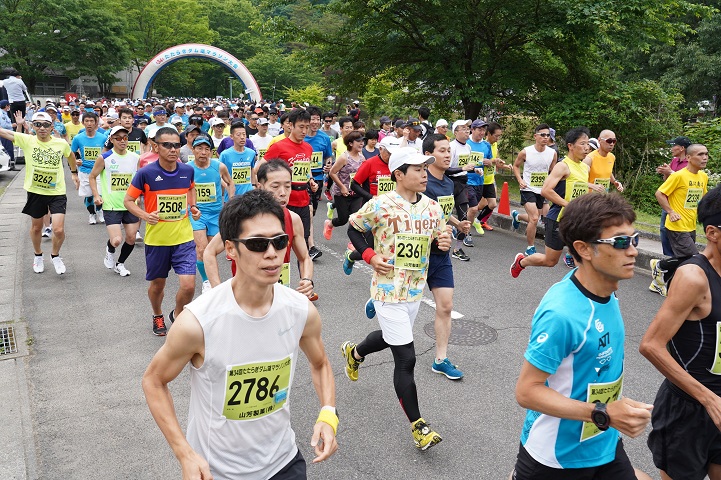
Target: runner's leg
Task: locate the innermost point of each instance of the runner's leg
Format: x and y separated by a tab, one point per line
58	231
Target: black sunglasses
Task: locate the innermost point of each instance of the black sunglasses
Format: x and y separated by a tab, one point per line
544	135
170	145
42	124
260	244
610	141
621	242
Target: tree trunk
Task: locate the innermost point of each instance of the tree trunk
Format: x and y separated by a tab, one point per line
471	109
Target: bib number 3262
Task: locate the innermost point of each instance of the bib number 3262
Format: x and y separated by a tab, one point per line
254	390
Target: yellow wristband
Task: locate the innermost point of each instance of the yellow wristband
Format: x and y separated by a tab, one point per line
326	416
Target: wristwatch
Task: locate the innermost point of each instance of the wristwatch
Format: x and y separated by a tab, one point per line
600	417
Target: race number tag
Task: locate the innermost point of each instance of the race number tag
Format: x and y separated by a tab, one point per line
91	153
191	158
134	146
45	179
301	171
447	202
603	393
316	160
488	170
255	390
578	189
411	251
537	178
285	275
464	159
692	198
261	153
606	182
205	192
241	175
385	184
171	208
119	182
477	158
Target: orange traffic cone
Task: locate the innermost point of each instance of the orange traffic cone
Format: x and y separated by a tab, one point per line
504	206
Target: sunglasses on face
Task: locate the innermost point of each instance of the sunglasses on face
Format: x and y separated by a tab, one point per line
544	135
260	244
254	118
620	242
170	145
74	114
42	124
610	141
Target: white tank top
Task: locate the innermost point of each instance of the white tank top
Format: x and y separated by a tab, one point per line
536	163
239	418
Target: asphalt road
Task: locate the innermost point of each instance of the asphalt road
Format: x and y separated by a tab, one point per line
92	342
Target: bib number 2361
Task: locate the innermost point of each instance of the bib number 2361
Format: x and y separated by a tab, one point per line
411	251
254	390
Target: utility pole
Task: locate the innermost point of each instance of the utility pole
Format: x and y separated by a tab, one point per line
230	82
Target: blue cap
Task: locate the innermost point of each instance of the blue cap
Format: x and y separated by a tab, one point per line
202	139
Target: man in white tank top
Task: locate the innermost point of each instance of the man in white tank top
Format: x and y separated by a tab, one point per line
242	339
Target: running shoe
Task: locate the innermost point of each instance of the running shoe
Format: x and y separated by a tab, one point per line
38	264
47	231
348	263
109	259
370	309
460	255
447	368
328	195
486	226
171	317
328	229
468	241
138	236
100	216
568	260
351	364
59	265
313	297
159	328
454	233
121	270
423	436
329	214
516	268
92	219
660	289
514	220
206	287
657	273
478	226
530	251
314	253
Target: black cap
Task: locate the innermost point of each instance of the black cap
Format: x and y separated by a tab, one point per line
680	141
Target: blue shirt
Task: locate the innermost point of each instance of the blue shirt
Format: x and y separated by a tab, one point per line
238	164
578	338
208	191
88	149
485	148
320	142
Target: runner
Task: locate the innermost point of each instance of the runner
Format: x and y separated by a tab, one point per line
679	161
233	434
488	202
239	160
168	190
209	175
572	376
87	146
45	183
464	175
116	169
322	156
537	160
601	162
406	226
568	180
345	201
682	343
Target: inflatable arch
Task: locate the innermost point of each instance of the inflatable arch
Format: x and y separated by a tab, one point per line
194	50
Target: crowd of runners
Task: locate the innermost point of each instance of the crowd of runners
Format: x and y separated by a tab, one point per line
243	181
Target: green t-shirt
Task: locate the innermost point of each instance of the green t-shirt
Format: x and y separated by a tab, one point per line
115	178
44	173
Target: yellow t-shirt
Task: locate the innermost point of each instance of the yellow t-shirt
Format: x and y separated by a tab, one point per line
576	182
489	171
684	190
340	147
44	173
73	129
276	139
601	169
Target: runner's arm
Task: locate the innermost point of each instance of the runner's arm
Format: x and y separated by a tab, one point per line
517	168
210	258
182	344
662	200
227	180
358	189
333	174
557	174
305	263
92	180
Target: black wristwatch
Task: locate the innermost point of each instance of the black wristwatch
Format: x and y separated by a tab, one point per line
600	417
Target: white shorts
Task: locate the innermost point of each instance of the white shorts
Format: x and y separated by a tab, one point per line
396	321
84	189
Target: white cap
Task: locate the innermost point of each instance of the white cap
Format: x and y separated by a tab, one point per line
179	105
355	102
42	117
593	143
219	108
441	123
390	143
216	121
116	129
459	123
408	156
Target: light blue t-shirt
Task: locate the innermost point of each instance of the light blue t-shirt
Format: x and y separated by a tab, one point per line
208	190
485	148
238	163
578	338
320	142
88	149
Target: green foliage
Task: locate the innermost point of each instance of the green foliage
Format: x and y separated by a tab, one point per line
313	94
709	133
517	133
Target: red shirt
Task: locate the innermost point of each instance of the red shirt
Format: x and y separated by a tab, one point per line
370	170
291	152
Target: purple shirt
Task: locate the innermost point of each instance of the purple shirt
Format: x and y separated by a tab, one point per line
678	163
227	142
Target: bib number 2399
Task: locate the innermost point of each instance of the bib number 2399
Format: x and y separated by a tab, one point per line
171	208
254	390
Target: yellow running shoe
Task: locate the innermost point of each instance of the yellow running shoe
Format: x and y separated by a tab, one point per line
423	436
351	364
479	228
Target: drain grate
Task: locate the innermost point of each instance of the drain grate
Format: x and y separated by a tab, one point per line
7	341
466	332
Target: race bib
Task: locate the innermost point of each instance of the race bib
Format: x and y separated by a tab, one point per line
45	179
254	390
385	184
606	182
537	178
91	153
447	202
191	158
285	275
171	208
301	171
476	158
463	160
411	251
119	182
205	192
316	160
261	153
241	175
603	393
134	146
578	189
488	170
693	196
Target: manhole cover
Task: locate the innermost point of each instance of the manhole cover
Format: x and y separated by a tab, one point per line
466	332
7	341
